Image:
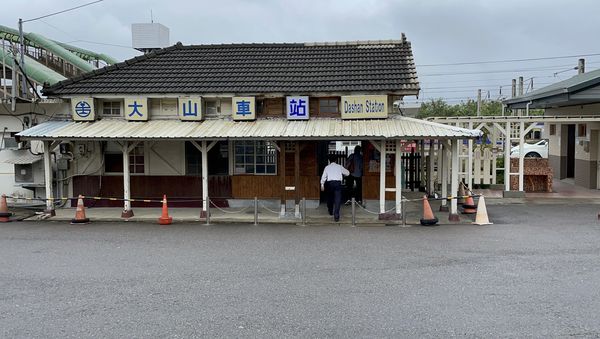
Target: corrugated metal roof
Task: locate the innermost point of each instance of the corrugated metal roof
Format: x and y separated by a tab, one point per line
570	85
401	127
22	157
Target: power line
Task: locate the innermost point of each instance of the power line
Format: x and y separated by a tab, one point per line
63	11
540	69
509	60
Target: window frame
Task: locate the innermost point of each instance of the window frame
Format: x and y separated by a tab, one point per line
132	160
255	144
112	108
337	106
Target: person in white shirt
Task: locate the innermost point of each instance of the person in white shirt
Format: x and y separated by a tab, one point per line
332	181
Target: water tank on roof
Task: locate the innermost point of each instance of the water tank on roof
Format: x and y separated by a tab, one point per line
149	36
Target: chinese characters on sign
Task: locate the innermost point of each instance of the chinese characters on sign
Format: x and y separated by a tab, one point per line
82	109
190	108
297	108
364	106
243	108
136	109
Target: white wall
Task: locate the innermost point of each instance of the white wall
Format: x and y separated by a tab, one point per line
165	158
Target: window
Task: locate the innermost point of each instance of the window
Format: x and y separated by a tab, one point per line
111	108
212	107
113	160
581	130
552	129
218	159
255	157
328	105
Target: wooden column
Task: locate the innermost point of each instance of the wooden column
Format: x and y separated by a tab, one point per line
430	166
204	147
521	155
421	144
470	161
398	174
382	152
127	212
48	177
205	197
444	173
454	182
282	176
297	178
507	147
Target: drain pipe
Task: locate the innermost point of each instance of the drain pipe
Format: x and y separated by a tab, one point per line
527	108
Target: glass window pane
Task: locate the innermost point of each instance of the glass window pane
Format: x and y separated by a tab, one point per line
260	169
270	169
249	168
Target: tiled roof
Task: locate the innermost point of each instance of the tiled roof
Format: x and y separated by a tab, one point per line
295	68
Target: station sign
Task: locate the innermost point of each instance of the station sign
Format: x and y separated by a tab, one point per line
243	108
297	107
136	109
364	106
190	108
82	109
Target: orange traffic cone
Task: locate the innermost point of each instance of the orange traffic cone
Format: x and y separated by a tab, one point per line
165	219
428	218
4	213
461	193
469	206
80	213
482	216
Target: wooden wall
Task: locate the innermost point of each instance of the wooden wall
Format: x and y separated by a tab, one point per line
275	108
269	186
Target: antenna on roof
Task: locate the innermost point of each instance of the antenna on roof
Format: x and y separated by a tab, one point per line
151	17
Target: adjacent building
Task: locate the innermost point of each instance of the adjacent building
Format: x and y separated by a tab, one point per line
572	125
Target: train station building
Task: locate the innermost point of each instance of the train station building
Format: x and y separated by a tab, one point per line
232	122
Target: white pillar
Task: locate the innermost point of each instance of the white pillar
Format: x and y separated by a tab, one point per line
48	177
454	180
382	178
507	147
398	174
521	155
444	172
470	161
204	177
430	166
127	212
422	164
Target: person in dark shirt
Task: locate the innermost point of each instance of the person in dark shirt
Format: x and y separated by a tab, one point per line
354	164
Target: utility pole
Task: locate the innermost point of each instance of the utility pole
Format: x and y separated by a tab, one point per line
22	62
581	66
520	86
22	47
514	88
479	102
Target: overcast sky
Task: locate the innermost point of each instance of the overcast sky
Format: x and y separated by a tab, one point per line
440	32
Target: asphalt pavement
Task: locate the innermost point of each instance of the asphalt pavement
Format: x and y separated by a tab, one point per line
534	273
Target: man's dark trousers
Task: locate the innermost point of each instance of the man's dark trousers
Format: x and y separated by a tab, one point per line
334	198
355	192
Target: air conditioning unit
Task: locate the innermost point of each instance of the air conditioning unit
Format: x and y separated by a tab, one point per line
23	173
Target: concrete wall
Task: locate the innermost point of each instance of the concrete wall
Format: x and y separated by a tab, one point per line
587	146
16	122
